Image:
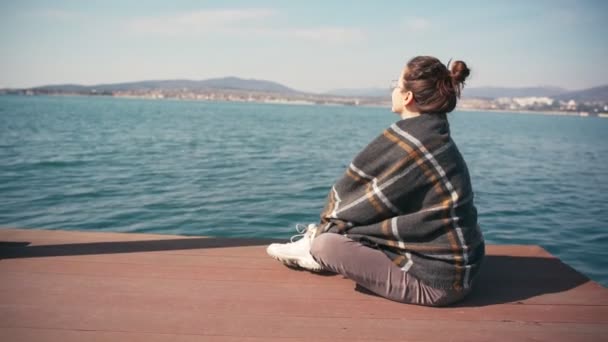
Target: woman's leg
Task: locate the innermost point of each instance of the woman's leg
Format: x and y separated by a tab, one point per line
373	270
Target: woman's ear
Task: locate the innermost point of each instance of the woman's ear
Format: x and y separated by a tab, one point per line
408	98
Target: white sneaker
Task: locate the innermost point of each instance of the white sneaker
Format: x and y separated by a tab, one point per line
297	253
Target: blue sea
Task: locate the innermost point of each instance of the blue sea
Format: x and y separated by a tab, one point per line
255	170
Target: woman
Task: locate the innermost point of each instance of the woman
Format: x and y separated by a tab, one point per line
401	222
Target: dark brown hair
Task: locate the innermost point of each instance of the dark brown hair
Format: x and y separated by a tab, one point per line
435	88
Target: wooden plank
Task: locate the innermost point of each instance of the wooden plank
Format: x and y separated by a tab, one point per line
199	321
26	249
245	258
63	335
41	237
522	279
101	286
208	270
171	259
260	268
134	282
15	234
488	292
286	305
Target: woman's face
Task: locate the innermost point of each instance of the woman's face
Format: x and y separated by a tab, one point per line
397	95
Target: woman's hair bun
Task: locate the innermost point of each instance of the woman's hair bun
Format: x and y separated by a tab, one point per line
460	72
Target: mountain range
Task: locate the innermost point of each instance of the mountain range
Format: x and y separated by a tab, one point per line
591	94
234	83
226	83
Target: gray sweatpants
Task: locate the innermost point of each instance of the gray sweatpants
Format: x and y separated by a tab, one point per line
374	271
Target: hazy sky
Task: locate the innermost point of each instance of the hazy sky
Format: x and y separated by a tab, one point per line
307	45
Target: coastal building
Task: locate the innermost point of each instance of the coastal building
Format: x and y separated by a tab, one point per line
533	101
571	105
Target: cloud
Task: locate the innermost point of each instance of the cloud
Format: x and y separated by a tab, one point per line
237	22
198	22
328	34
417	24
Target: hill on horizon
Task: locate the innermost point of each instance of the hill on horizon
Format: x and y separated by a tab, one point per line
496	92
225	83
587	95
235	83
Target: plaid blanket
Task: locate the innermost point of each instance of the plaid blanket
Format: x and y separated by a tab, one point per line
409	194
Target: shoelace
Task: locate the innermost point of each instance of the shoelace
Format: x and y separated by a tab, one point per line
302	230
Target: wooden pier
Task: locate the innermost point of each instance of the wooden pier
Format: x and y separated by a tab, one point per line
95	286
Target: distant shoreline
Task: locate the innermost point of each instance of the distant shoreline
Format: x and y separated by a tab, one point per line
310	103
540	112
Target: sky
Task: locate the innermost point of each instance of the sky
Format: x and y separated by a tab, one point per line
309	45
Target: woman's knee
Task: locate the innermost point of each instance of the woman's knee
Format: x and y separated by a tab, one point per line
323	246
